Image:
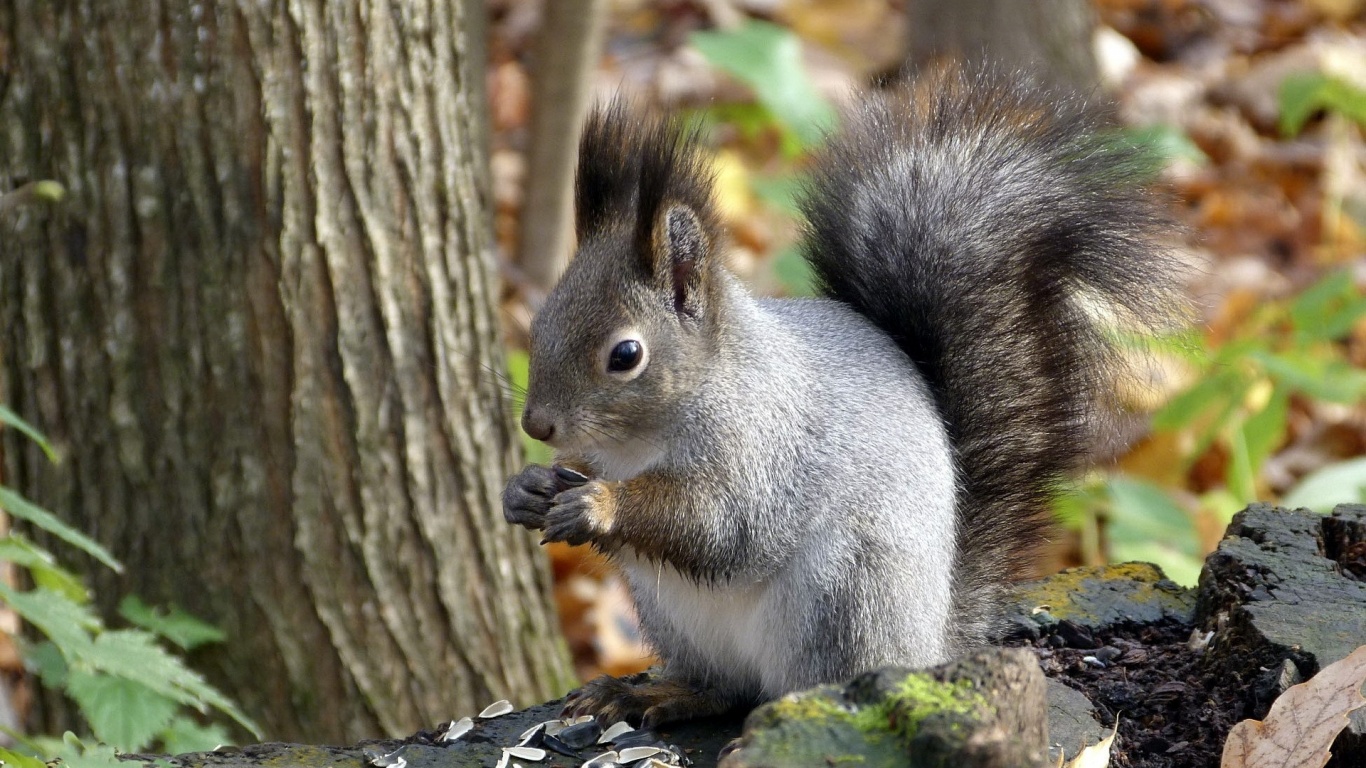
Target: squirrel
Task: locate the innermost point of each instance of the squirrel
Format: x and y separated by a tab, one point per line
801	490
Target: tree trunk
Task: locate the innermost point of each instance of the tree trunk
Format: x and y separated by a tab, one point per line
1048	39
568	46
261	326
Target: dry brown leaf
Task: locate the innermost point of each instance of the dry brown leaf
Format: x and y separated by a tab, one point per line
1338	10
1097	755
1299	730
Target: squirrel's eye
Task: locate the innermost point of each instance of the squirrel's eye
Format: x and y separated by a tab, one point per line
625	356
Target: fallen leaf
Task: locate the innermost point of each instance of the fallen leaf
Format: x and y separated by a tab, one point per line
1097	755
1299	730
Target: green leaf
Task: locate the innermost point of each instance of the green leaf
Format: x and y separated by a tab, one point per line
519	369
781	192
18	550
1300	97
1338	324
1077	507
1326	310
1145	524
794	273
1222	504
1070	510
185	735
47	660
43	745
65	622
751	120
63	581
175	625
121	712
1166	142
11	419
17	760
1186	344
1264	431
14	548
1184	409
26	510
1241	475
75	754
519	374
1146	510
134	654
49	191
1311	306
768	59
1327	378
1304	94
1178	565
1341	483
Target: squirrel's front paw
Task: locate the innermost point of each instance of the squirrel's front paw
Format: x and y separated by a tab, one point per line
528	496
580	515
646	700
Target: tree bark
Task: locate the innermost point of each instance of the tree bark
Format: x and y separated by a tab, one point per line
261	326
1048	39
568	45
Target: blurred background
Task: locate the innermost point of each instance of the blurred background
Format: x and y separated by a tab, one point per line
1256	108
266	270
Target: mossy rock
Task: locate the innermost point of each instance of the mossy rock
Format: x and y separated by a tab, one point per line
982	711
1098	598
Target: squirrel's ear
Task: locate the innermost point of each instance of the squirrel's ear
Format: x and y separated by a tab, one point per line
680	252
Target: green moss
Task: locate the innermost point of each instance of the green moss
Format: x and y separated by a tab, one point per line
916	697
811	705
818	728
1059	590
920	696
815	728
1101	596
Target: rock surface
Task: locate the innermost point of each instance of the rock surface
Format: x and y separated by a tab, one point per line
986	710
1286	591
482	747
1284	596
1082	601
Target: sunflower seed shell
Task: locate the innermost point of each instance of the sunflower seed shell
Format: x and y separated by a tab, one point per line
615	730
496	709
605	760
457	729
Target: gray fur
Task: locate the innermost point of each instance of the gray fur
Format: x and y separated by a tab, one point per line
853	524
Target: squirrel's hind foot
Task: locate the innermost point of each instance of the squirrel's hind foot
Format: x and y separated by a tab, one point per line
645	700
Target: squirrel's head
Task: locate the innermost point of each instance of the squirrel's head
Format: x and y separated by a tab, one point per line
625	336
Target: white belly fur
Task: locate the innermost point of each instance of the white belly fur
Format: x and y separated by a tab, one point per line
733	630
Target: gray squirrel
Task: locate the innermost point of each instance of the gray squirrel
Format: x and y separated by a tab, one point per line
800	490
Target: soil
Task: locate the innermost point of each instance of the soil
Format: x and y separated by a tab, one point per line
1174	711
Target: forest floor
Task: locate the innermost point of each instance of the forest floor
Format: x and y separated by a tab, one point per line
1171	709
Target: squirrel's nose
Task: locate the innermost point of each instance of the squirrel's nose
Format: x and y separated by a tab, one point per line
536	423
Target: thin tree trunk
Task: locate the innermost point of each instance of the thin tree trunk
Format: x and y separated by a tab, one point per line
261	326
1049	39
568	45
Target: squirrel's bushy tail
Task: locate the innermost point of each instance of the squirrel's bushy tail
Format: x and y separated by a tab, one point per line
999	232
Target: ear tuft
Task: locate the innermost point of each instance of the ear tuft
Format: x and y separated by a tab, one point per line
648	178
682	247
